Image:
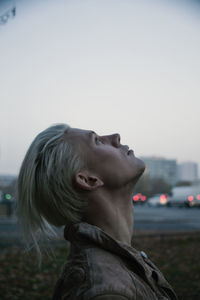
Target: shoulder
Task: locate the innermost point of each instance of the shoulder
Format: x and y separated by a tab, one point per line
108	277
95	274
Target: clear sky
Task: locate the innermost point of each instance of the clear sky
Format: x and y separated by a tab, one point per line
127	66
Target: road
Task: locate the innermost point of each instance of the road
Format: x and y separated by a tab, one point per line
166	218
148	219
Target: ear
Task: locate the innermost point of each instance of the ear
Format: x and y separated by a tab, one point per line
87	181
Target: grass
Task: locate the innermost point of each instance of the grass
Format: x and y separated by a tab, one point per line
177	255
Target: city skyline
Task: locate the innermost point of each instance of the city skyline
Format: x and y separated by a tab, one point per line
170	170
151	157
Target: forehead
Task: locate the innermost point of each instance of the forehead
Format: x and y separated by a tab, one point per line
76	134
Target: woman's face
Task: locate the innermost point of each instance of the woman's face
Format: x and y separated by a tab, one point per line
115	164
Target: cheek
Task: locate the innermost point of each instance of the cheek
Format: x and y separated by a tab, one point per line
110	156
108	162
117	165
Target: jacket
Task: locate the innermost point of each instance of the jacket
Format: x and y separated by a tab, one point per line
101	268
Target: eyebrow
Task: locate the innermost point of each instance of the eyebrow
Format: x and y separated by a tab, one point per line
90	135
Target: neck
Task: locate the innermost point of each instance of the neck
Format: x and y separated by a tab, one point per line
113	213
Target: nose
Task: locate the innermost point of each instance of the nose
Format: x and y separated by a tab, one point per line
115	139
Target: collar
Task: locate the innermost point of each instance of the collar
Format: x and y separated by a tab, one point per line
87	235
84	235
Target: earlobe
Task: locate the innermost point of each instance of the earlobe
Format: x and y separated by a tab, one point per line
87	181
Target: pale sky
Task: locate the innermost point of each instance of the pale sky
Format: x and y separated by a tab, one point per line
126	66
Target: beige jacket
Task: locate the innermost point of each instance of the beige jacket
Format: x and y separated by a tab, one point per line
101	268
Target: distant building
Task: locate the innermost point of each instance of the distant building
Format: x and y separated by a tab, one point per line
187	171
5	180
158	167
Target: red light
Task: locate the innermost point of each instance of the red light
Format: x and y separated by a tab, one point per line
190	198
163	199
143	198
198	197
135	198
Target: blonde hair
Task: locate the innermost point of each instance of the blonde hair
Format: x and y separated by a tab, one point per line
46	194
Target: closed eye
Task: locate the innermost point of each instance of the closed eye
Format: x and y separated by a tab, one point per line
98	141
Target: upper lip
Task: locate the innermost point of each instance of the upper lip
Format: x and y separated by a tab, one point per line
126	148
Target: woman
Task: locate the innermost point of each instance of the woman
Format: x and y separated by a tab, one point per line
84	181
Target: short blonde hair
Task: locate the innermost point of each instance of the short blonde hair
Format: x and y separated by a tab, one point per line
46	193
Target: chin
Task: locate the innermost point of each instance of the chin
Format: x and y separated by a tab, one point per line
140	166
139	170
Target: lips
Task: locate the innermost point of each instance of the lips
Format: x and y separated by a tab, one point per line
126	149
130	152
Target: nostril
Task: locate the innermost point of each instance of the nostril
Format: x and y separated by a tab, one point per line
116	139
119	138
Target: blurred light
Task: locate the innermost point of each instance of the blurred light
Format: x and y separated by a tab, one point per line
135	198
190	198
163	199
8	196
143	198
198	197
